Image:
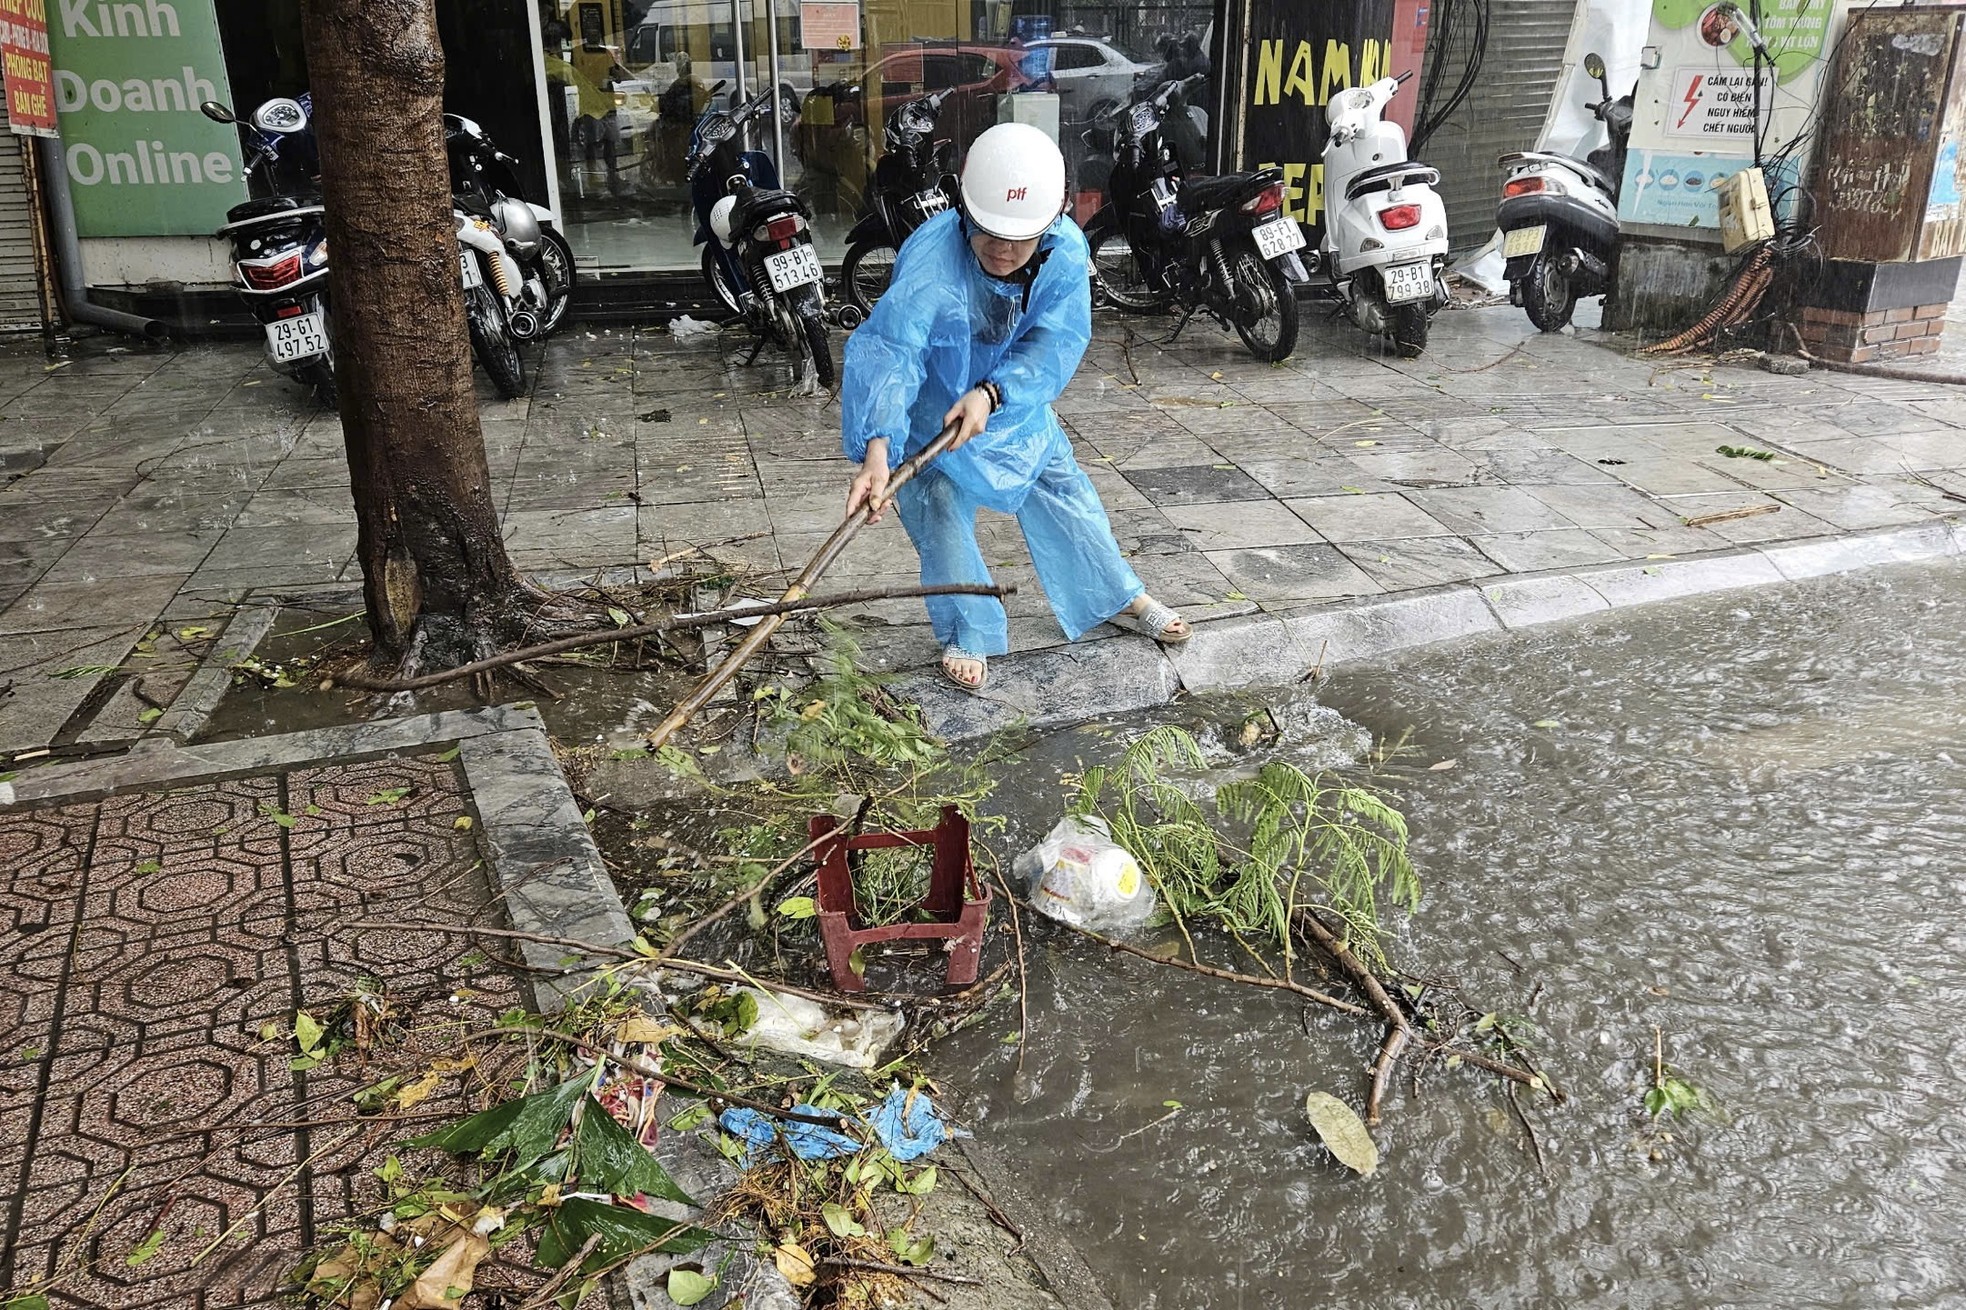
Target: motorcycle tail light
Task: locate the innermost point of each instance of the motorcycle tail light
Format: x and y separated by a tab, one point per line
287	311
272	273
1269	198
1522	186
1397	218
784	227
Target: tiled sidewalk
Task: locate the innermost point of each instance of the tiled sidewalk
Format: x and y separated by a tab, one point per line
146	489
162	919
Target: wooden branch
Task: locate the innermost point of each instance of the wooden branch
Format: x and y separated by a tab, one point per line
754	641
674	623
623	954
1226	975
876	1267
650	1072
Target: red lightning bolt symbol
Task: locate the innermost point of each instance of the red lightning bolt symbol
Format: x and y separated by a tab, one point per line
1692	100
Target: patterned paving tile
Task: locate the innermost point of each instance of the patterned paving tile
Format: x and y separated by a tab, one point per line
145	940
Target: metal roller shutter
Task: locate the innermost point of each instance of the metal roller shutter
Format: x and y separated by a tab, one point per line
20	297
1504	112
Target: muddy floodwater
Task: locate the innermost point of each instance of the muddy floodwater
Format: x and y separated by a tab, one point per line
1740	819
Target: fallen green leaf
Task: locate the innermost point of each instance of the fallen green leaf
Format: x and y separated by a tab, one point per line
687	1287
915	1253
608	1154
450	755
149	866
1342	1132
389	796
624	1231
1546	723
307	1033
798	907
840	1221
148	1247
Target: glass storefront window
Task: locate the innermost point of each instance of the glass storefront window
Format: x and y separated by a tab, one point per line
625	81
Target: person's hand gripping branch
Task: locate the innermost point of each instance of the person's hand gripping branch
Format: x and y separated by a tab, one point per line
974	408
869	485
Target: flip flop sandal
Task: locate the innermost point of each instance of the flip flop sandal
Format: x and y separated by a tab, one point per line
1153	622
958	653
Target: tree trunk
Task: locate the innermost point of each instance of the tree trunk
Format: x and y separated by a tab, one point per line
439	587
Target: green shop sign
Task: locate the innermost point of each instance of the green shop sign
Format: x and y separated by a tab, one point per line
129	77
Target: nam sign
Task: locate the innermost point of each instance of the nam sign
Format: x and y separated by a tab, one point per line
129	77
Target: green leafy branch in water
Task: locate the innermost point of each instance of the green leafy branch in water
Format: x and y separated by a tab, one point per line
1279	842
1670	1094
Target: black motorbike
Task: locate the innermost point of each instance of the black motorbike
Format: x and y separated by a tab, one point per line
914	181
757	239
279	247
1559	216
1163	241
484	185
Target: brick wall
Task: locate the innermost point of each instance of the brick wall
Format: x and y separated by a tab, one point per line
1851	337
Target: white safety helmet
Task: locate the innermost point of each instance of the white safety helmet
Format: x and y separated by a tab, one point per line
720	214
1013	182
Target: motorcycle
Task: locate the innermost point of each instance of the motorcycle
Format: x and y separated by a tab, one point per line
279	246
1220	245
1385	233
1559	216
757	240
483	184
914	181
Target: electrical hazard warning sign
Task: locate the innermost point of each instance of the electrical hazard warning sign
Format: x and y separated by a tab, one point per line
1712	104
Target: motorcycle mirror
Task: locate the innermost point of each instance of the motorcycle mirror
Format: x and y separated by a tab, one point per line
217	112
1594	67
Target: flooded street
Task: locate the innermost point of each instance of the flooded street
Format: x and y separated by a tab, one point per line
1737	818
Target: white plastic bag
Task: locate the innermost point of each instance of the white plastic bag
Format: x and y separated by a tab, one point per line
684	328
1079	875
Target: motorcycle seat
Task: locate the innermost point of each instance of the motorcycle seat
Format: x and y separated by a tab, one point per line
1214	192
759	202
1591	170
1383	177
268	207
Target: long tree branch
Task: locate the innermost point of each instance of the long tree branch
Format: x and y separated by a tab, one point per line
1226	975
674	623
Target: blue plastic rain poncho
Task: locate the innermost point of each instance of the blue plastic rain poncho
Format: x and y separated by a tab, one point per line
942	327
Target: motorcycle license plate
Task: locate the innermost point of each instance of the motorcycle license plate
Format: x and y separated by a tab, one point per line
1278	237
1407	282
301	337
467	267
1524	241
793	268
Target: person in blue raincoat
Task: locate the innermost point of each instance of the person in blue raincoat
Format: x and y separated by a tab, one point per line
984	321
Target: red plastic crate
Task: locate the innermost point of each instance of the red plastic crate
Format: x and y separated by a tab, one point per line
958	904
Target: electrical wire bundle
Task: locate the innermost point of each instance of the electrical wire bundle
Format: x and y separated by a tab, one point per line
1451	16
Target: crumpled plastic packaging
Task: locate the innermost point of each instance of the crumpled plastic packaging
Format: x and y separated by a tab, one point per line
1079	875
906	1123
758	1131
683	328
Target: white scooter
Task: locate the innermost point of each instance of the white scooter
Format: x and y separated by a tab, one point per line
1385	227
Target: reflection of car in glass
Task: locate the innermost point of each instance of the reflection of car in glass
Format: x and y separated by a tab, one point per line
976	74
1092	74
703	32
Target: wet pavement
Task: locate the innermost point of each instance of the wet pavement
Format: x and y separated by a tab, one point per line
146	489
164	915
151	935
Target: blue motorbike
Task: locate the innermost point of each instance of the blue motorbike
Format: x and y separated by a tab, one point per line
758	255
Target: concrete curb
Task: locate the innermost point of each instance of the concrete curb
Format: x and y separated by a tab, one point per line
1063	685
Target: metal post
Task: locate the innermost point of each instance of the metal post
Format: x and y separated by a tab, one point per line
737	30
777	101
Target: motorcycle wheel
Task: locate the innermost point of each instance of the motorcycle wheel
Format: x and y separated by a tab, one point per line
1271	335
713	274
1410	330
866	272
493	345
814	346
322	370
556	264
1117	275
1548	295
